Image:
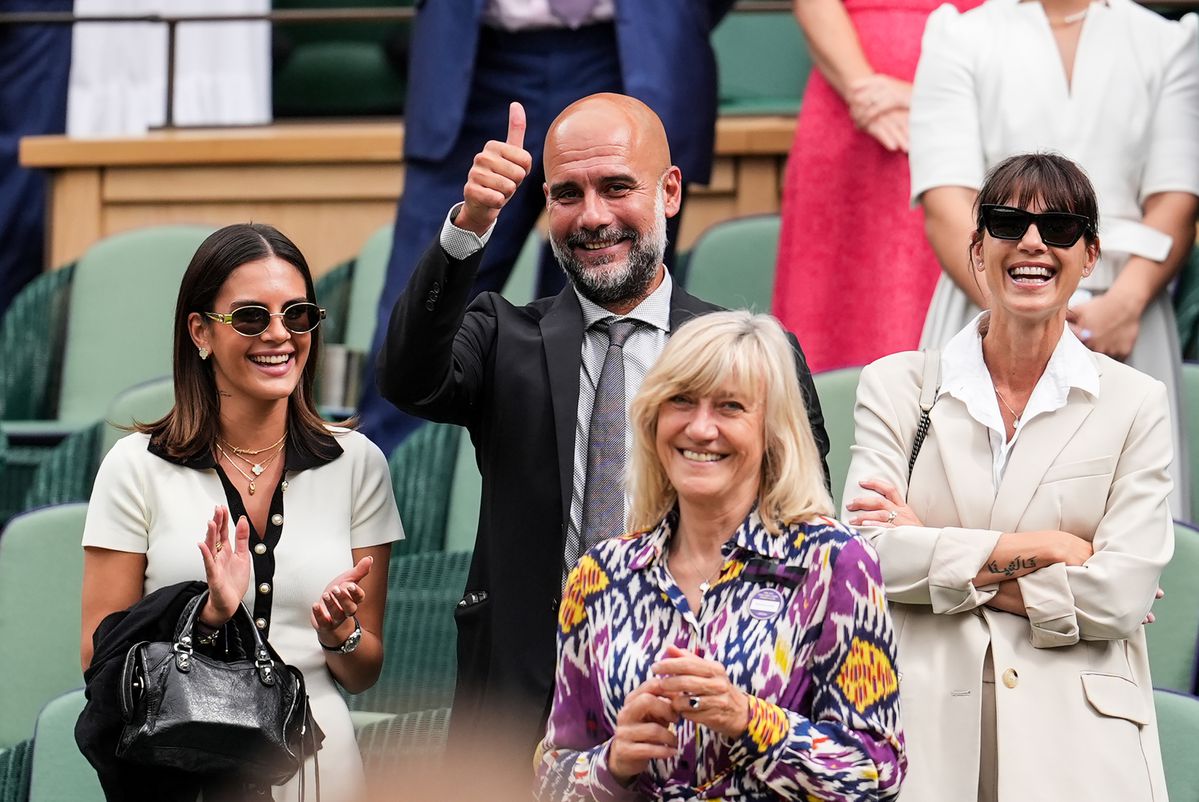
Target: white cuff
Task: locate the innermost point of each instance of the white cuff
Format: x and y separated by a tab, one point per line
957	556
1049	603
458	242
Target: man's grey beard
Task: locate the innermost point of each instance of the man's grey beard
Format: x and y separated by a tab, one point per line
645	254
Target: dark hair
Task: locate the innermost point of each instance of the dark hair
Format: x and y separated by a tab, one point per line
190	428
1058	183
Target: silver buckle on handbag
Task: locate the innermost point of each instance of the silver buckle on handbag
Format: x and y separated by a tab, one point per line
183	653
265	666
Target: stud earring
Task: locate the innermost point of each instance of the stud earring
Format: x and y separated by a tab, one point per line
203	352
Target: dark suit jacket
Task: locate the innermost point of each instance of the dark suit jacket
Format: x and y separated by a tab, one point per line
511	376
666	61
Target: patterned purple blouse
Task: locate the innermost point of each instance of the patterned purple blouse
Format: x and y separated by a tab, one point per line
798	620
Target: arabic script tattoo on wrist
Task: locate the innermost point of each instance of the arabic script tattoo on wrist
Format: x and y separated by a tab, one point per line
1018	563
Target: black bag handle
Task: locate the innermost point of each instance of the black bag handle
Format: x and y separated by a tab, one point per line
930	385
184	640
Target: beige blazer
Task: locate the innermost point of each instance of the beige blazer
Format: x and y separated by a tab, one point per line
1073	697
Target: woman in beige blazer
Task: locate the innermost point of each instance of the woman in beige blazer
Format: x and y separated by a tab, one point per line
1022	552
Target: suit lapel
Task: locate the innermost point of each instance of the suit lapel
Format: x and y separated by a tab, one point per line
1041	441
562	339
965	452
684	306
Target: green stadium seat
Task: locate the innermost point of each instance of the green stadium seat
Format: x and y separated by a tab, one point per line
837	390
14	772
339	68
118	333
1173	638
732	263
419	634
38	549
763	63
68	472
399	748
60	772
1178	731
422	470
370	271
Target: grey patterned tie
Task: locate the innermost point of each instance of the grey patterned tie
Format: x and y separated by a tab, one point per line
603	495
572	12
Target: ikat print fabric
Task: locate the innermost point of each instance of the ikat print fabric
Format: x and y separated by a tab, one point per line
799	621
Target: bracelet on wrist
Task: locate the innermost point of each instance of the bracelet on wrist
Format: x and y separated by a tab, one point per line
205	634
349	644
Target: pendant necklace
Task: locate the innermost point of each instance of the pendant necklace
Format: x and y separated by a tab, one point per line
706	583
1002	400
256	468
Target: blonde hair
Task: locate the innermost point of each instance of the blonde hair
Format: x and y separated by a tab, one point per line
705	354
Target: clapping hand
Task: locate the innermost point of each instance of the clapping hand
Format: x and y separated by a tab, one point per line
227	569
699	690
339	603
496	173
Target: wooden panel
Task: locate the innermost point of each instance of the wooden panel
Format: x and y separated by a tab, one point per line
272	144
754	135
328	186
75	215
326	233
759	185
253	183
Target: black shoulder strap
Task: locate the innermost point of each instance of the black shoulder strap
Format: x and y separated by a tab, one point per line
930	384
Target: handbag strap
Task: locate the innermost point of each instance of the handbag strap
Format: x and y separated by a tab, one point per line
930	385
184	639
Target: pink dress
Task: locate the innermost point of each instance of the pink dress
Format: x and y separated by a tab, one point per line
855	272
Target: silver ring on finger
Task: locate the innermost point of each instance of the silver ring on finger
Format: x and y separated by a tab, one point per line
891	517
693	702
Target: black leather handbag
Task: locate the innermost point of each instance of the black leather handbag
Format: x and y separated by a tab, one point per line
244	717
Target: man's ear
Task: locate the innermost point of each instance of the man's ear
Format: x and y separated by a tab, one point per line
672	189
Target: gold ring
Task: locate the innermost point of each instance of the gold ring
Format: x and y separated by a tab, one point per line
220	544
891	517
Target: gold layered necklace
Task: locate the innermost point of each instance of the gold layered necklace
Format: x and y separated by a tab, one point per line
257	467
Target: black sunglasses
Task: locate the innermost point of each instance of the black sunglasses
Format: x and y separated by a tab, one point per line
250	321
1059	229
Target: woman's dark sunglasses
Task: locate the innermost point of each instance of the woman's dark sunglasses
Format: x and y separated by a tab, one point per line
250	321
1059	229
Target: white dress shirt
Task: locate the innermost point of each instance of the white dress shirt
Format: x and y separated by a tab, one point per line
964	375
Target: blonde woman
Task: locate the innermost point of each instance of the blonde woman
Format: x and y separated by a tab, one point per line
738	643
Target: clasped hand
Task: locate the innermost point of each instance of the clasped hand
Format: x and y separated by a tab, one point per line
878	105
684	686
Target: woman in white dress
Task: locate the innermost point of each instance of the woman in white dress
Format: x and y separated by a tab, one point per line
293	517
1110	85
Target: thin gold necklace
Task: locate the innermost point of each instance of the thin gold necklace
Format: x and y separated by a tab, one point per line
255	466
255	451
1002	400
705	583
245	475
